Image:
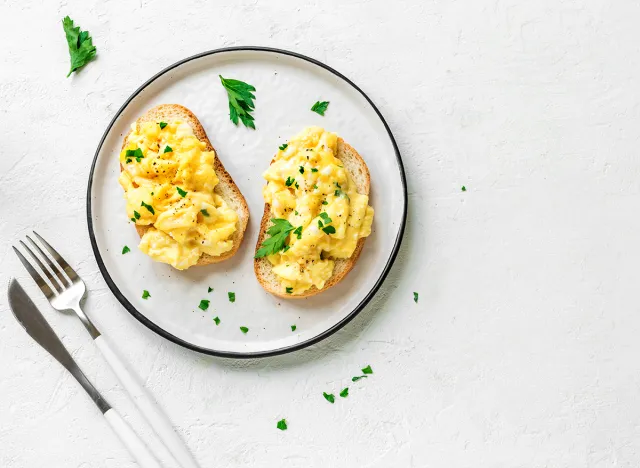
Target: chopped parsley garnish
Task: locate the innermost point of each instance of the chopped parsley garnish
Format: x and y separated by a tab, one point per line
301	170
283	146
345	392
136	153
168	149
148	207
338	185
241	98
464	189
125	250
204	212
340	193
282	425
244	330
289	290
325	202
320	224
182	193
329	397
314	170
81	48
367	370
297	186
209	289
289	182
325	217
286	247
162	125
278	233
136	215
204	304
217	320
232	296
315	186
295	212
145	294
415	297
329	230
355	379
298	232
293	327
320	107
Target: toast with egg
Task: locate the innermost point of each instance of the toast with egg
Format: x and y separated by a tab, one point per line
359	173
226	187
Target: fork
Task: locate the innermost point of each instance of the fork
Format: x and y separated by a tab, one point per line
65	291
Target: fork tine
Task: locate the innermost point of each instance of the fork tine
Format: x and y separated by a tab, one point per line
43	268
56	269
58	258
44	287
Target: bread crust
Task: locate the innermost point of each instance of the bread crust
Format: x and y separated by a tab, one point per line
263	269
226	187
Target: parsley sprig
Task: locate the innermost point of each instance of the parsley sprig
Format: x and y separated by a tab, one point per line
241	98
81	48
320	107
278	232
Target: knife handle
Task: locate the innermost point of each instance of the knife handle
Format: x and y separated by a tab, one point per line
147	406
136	447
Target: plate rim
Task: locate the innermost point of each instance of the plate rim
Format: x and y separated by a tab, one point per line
253	354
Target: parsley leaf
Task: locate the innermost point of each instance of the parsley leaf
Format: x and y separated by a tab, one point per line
298	232
81	48
320	107
148	207
145	294
367	370
329	397
217	320
415	297
204	304
162	125
293	327
282	425
289	290
232	296
345	392
301	170
136	215
464	189
314	170
329	230
168	149
315	186
136	153
209	289
340	193
325	202
241	98
279	232
204	213
295	212
244	330
325	217
182	193
355	379
283	147
290	181
125	250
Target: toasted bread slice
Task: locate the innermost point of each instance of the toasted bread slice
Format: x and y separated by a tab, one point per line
359	172
226	187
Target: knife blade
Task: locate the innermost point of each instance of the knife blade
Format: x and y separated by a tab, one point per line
34	323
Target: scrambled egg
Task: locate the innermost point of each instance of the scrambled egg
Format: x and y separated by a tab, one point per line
308	186
168	180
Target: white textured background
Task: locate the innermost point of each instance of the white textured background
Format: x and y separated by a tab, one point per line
523	350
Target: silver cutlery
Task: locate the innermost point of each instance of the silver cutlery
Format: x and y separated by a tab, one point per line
65	291
37	327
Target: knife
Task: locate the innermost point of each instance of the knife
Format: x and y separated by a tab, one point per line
37	327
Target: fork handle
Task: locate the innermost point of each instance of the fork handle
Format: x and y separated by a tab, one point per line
136	447
147	406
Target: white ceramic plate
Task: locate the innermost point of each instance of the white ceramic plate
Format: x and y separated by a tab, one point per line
287	86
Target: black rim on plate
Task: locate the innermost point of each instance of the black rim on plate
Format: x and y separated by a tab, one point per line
330	331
